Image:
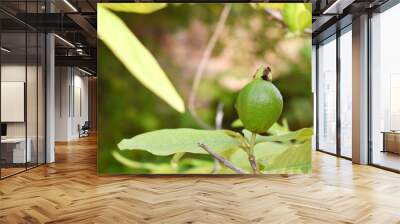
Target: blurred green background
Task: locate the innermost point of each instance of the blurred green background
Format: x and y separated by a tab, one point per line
177	36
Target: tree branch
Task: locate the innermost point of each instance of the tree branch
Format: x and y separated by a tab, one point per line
202	65
277	16
250	152
221	159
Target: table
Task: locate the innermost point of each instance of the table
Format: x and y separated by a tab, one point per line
391	141
13	150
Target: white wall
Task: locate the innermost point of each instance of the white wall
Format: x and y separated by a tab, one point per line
62	82
80	110
71	102
16	73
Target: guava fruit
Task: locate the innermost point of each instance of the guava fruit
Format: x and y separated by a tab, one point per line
259	104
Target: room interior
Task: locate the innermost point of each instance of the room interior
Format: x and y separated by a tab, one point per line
64	186
22	102
71	100
335	69
24	99
385	87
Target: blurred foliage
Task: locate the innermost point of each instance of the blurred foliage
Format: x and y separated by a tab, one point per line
135	57
143	8
297	17
176	35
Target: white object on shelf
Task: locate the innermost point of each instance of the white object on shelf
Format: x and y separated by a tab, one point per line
19	155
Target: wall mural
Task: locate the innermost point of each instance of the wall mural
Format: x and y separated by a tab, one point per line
204	88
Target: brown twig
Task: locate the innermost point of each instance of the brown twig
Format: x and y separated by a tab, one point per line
221	159
253	164
277	16
202	65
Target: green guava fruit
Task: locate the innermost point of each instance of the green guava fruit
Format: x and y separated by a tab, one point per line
259	104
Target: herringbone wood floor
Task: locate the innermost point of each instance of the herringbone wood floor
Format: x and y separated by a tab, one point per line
70	191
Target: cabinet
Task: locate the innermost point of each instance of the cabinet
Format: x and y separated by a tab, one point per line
391	142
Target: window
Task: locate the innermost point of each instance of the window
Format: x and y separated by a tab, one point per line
22	77
385	89
327	95
346	92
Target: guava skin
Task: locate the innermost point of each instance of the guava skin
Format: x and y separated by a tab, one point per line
259	105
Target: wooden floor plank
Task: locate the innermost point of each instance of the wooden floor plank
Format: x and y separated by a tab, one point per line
70	191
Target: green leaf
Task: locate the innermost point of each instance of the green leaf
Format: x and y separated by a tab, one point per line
300	135
308	6
297	17
197	166
268	149
175	159
237	123
189	166
275	129
278	129
151	167
275	6
135	57
143	8
262	150
295	159
170	141
304	19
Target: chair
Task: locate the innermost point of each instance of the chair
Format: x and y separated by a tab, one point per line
84	130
